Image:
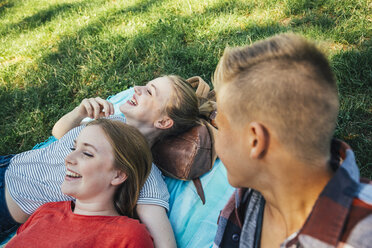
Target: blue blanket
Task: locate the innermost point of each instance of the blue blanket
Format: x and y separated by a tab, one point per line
195	224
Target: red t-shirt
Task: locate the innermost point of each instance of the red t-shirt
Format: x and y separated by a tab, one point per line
55	225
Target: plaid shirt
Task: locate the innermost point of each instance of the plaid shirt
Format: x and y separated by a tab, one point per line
341	216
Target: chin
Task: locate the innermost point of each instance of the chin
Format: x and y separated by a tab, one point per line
123	107
233	183
65	190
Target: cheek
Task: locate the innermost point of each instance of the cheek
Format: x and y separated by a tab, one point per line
218	144
222	144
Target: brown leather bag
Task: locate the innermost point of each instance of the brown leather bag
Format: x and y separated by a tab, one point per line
189	155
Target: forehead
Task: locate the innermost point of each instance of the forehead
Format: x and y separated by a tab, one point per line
163	87
95	136
223	98
228	112
163	83
223	110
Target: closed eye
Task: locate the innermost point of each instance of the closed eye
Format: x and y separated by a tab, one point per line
85	153
88	154
149	91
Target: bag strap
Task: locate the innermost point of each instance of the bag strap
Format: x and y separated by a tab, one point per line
212	133
197	182
202	88
199	189
203	91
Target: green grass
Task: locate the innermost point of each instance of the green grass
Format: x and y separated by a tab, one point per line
55	53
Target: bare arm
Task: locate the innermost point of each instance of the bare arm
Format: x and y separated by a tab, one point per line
92	107
156	220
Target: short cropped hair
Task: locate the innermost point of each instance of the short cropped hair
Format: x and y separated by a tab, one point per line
286	82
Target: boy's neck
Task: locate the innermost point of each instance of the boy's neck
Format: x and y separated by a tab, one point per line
290	198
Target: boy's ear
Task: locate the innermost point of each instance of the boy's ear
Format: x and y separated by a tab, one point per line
164	123
119	178
259	140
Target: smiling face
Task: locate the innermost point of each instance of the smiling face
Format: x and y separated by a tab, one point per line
148	103
90	166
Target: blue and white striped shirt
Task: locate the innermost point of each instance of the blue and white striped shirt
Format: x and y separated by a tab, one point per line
34	177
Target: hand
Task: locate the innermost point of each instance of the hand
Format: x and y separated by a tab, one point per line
95	108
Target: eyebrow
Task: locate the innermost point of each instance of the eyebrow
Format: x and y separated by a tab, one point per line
87	144
156	90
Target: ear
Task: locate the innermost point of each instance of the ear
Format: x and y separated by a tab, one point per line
259	140
119	178
164	123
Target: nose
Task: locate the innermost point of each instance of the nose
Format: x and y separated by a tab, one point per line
70	158
138	90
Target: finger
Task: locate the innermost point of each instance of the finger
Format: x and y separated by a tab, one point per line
96	108
88	108
107	106
112	109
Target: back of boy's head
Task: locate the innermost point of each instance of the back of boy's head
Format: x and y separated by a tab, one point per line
284	82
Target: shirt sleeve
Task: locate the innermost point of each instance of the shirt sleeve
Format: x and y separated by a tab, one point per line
154	191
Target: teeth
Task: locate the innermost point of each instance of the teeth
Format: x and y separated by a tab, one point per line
133	101
72	174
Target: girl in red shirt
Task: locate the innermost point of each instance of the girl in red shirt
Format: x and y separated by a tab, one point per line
105	171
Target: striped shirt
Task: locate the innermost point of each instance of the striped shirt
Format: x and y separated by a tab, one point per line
34	177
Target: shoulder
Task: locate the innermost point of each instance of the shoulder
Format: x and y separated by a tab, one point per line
131	224
358	232
53	208
45	214
154	191
132	233
361	232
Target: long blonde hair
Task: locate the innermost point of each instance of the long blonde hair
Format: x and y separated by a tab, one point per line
184	107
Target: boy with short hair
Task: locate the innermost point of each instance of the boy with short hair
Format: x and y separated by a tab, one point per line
277	109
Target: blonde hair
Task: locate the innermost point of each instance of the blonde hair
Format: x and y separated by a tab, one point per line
183	107
286	82
132	156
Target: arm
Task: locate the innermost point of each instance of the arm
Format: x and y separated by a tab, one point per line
156	220
92	107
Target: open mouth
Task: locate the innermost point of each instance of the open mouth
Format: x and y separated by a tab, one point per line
72	174
133	101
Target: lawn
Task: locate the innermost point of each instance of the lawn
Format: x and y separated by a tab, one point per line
55	53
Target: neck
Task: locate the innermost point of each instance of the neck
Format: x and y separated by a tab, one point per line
150	132
151	135
86	207
291	194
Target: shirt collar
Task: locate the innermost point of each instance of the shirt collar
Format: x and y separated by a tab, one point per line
327	219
